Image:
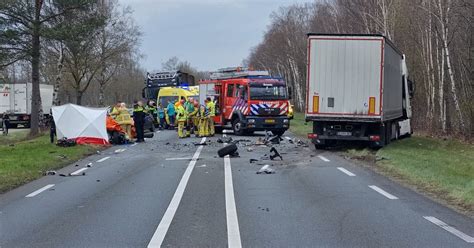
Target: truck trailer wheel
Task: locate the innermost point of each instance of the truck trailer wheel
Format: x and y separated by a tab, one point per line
227	150
238	127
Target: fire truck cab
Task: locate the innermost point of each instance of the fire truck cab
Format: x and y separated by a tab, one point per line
247	101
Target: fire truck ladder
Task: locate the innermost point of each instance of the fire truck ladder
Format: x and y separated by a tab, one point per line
236	72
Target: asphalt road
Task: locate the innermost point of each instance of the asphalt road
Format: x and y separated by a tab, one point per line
171	193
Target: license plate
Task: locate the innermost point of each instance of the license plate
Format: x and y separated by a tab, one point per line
269	121
344	133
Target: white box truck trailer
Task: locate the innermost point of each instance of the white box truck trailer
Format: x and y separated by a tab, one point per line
357	90
15	99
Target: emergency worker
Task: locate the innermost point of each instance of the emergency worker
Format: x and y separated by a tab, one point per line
122	116
191	111
139	119
211	106
181	117
203	121
171	112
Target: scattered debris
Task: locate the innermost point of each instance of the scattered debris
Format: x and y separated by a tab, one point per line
266	170
235	155
77	165
98	180
50	173
252	160
250	149
260	142
275	154
62	175
89	165
199	144
227	150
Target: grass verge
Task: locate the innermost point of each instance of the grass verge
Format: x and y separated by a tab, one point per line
444	169
299	127
14	136
24	161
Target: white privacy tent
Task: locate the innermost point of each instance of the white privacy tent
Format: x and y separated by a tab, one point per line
85	125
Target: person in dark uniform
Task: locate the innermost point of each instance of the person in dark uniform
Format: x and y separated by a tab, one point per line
6	123
52	129
139	119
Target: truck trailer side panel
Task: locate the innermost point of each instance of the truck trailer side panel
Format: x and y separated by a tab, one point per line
392	84
345	77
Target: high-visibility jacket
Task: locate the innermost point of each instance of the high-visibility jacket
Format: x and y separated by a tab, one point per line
123	117
212	108
203	111
181	113
114	112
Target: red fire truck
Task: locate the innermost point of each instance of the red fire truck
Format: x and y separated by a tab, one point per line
247	100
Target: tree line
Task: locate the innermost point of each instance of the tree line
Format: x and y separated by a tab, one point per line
436	36
87	49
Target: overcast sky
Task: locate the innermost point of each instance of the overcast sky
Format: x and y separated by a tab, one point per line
210	34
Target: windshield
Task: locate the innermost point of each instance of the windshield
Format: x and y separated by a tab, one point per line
268	92
165	100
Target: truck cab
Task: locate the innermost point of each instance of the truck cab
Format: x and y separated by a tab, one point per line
158	80
248	101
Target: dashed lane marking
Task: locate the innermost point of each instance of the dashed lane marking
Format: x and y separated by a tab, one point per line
323	158
75	173
102	159
173	159
383	192
346	172
37	192
165	222
450	229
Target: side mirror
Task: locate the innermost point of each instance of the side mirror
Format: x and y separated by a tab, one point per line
290	93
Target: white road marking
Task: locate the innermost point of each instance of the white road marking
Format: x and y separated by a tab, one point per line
165	222
450	229
383	192
173	159
102	159
120	150
323	158
233	232
346	172
75	173
224	135
40	190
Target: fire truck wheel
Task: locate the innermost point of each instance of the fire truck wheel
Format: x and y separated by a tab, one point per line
237	126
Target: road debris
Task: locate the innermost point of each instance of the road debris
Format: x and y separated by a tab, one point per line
89	165
227	150
50	173
275	154
253	160
266	170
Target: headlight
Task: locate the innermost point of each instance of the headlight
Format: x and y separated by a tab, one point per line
285	121
251	121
